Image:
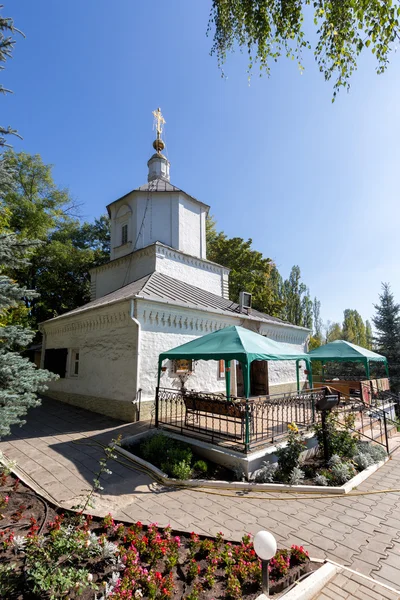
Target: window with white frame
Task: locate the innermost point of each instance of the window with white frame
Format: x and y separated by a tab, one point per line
124	234
183	365
221	369
74	363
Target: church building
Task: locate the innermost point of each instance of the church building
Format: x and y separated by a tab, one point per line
157	291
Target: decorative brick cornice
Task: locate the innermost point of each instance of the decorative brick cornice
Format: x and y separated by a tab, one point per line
193	261
86	324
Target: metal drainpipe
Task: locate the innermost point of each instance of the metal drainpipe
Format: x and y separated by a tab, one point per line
133	316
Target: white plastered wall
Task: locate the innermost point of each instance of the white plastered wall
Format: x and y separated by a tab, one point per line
107	343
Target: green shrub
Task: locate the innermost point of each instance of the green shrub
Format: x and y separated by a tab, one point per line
201	466
181	470
375	451
339	437
289	456
154	448
170	455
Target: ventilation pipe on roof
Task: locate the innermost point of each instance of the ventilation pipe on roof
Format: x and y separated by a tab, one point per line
133	315
244	302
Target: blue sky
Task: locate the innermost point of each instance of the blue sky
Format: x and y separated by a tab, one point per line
311	182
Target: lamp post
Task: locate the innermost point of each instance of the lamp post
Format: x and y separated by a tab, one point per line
265	547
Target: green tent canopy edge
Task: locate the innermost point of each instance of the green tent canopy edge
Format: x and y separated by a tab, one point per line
344	351
236	343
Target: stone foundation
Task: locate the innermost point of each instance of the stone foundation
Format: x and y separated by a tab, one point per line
283	388
118	409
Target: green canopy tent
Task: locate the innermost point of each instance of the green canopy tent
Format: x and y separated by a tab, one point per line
235	343
342	351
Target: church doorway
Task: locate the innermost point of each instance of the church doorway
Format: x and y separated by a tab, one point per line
258	378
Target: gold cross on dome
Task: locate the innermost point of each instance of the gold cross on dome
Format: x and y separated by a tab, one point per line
159	121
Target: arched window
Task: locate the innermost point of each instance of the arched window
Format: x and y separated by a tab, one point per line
123	225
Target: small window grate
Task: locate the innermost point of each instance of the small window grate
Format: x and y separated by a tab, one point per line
124	234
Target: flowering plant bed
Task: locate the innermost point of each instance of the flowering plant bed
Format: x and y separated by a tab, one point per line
49	555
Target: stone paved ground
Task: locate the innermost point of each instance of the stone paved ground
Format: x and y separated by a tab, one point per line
346	585
57	449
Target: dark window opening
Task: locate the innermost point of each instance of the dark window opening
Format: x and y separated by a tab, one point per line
55	360
124	234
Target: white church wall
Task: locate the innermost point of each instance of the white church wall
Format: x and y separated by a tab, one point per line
164	328
282	374
189	269
112	276
107	343
191	232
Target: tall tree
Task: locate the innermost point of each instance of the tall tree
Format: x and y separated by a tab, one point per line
249	270
333	332
368	335
20	380
354	328
35	203
7	43
58	268
387	338
317	319
268	29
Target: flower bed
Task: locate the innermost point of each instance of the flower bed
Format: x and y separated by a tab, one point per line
49	555
348	457
177	459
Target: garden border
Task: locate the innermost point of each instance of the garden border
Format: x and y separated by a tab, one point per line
309	587
251	486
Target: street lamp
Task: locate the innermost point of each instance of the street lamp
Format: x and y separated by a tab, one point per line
265	547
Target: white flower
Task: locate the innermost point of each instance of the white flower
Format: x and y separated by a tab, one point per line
90	577
109	550
19	543
138	594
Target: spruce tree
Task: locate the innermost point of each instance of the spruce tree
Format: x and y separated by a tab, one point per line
20	379
387	338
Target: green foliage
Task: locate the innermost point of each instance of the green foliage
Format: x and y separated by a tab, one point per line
171	456
368	335
289	456
250	271
298	304
354	328
342	472
387	339
7	42
268	29
339	437
296	476
267	472
333	332
20	380
375	451
59	267
179	470
201	466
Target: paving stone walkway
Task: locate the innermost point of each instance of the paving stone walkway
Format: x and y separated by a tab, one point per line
57	451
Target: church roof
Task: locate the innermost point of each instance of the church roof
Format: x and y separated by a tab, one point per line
162	288
158	185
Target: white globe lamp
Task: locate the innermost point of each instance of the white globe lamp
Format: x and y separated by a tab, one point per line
265	547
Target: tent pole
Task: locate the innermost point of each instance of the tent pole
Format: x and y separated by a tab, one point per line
386	368
158	392
367	368
310	376
228	378
298	374
246	373
323	372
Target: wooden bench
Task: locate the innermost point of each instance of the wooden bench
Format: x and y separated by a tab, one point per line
227	411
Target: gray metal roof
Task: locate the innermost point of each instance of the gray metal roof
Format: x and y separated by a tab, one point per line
158	185
161	288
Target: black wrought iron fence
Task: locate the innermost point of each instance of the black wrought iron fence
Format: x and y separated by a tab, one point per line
235	422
